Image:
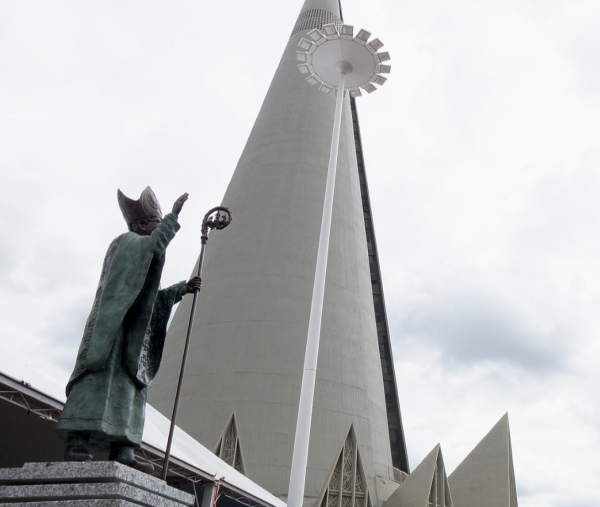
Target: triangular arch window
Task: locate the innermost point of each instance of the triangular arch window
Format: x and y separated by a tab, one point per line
346	486
439	495
229	448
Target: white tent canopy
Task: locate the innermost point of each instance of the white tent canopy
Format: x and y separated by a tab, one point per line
185	450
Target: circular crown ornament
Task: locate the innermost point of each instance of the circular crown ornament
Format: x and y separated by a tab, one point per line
330	52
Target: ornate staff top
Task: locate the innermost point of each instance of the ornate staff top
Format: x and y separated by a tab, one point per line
217	218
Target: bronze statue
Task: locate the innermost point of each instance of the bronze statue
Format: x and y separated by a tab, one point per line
123	338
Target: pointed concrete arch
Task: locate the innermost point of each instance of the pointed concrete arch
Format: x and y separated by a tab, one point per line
229	448
426	486
439	495
486	475
346	484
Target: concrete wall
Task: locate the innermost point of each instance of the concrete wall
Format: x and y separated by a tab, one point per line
486	475
248	345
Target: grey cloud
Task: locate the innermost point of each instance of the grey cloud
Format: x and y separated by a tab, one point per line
8	260
583	57
561	215
63	331
471	328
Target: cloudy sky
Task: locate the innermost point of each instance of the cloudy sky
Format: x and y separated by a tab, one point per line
482	154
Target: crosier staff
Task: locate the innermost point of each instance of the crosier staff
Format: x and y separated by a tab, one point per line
217	218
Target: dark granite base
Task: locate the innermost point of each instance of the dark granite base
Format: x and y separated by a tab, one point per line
94	483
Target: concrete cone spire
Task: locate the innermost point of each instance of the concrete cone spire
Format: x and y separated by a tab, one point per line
332	6
247	351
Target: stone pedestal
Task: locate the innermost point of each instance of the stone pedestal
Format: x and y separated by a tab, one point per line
93	483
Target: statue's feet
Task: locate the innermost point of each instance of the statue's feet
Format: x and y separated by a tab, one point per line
77	453
138	465
125	455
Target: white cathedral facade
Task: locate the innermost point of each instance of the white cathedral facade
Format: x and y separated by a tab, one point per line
244	371
240	397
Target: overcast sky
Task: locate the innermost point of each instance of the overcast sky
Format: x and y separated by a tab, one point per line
482	153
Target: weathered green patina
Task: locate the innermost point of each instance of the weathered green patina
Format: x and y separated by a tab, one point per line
122	346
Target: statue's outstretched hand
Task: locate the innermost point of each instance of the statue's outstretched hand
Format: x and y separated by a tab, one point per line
194	284
179	203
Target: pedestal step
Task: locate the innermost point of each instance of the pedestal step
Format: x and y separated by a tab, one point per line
92	483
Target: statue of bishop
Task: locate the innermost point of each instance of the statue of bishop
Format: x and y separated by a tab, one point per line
123	338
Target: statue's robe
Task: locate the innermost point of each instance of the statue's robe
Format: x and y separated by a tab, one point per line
122	343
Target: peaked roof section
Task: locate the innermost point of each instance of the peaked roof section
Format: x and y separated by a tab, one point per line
229	448
486	476
427	481
346	481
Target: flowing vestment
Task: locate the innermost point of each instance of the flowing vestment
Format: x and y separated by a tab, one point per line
122	343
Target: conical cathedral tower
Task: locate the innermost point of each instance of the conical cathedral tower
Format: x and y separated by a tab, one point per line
242	386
